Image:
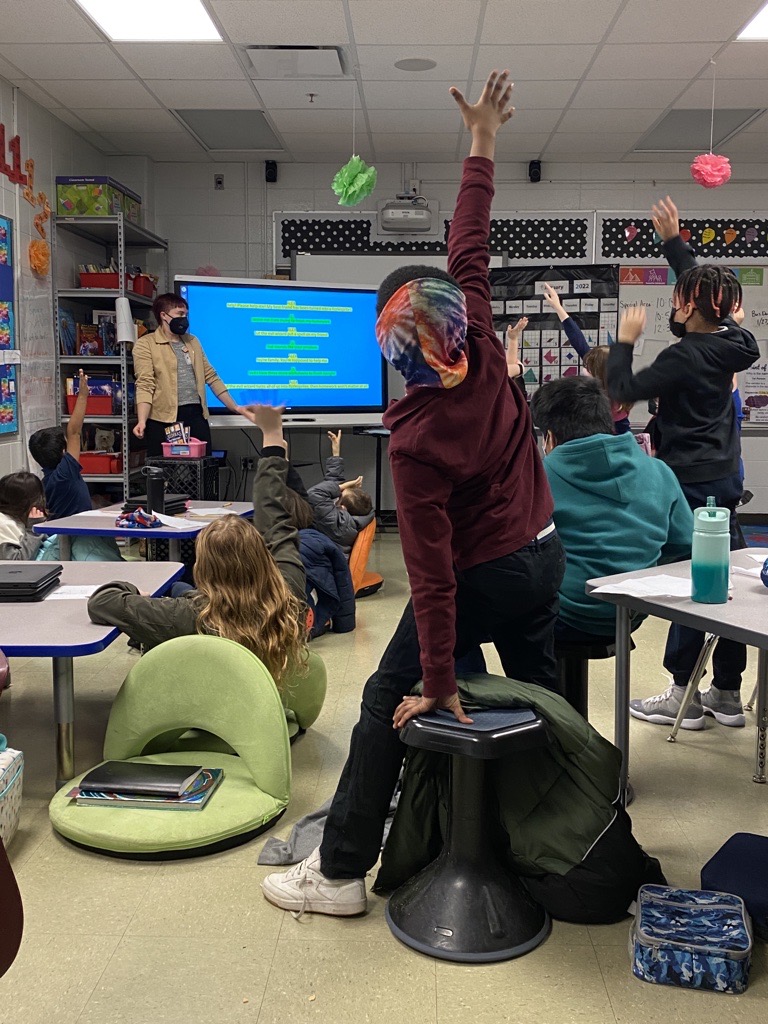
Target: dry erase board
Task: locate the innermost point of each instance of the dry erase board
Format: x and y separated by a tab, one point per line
653	287
589	293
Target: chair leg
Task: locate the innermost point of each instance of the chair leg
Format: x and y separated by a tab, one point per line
751	702
710	641
573	676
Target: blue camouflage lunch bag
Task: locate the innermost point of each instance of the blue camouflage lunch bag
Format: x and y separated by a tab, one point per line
691	938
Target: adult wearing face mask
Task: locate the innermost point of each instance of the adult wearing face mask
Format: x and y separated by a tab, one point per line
171	374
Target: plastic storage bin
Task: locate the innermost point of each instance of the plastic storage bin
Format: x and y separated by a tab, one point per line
101	462
11	780
96	196
194	450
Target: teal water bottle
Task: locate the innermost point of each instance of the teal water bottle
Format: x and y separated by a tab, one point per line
711	557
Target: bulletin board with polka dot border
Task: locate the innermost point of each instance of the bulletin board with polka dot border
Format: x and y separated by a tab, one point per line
631	238
525	238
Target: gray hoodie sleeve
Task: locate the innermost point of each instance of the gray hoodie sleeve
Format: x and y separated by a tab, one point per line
25	551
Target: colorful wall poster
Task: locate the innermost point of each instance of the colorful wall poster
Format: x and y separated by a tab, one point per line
9	411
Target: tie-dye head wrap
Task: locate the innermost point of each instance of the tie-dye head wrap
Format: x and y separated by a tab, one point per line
422	332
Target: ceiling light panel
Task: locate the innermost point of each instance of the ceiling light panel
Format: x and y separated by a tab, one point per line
170	21
231	129
758	27
687	131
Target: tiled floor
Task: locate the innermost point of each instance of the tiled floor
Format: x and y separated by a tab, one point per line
119	942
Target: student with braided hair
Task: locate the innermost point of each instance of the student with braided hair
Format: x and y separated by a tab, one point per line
698	437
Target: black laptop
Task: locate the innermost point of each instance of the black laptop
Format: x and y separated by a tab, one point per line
28	581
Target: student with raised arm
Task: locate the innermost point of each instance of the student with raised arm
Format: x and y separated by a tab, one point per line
697	436
593	359
475	517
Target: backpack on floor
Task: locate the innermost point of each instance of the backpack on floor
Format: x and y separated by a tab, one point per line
691	938
741	867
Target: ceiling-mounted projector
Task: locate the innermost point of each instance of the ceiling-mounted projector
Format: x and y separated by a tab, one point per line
406	214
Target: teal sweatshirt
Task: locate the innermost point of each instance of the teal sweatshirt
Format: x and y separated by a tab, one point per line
616	509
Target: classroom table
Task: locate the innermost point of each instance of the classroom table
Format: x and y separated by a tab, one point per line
101	523
61	630
744	618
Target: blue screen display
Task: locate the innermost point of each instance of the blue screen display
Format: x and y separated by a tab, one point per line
303	346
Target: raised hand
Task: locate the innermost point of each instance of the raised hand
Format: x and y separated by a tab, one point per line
514	333
551	298
492	110
632	324
269	420
351	483
335	440
666	219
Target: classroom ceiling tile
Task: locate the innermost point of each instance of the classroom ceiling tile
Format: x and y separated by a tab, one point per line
540	21
286	95
613	120
277	23
686	21
532	121
377	63
99	142
743	60
154	144
595	146
201	94
46	21
306	147
65	60
181	60
747	148
427	121
426	21
612	94
519	145
107	119
733	92
316	119
33	91
537	95
125	93
657	60
403	95
555	61
394	147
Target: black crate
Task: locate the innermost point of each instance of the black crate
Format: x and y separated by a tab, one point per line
199	478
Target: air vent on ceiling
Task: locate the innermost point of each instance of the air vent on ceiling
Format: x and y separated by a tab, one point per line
231	129
687	131
273	62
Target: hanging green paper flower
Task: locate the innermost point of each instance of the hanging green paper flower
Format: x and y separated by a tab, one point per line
354	182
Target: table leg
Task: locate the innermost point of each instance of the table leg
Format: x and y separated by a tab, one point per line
65	547
621	695
762	715
174	550
64	716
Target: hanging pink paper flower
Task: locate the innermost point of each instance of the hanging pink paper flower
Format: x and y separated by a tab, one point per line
711	170
208	271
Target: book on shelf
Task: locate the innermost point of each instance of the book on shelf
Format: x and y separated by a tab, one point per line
194	799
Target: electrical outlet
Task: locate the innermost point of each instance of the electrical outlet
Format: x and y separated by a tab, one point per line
246	463
415	185
218	182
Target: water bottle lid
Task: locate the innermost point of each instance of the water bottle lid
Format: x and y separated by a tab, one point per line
712	520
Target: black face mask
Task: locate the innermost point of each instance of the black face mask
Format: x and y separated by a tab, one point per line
677	329
178	325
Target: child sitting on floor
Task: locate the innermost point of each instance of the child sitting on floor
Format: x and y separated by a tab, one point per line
21	500
249	578
342	508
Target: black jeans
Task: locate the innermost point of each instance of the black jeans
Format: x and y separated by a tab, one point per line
684	643
191	416
511	599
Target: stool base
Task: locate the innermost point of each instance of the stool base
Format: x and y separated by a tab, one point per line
466	912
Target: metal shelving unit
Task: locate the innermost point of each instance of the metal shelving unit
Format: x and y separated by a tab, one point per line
115	236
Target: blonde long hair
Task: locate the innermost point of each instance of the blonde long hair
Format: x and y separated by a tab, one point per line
245	598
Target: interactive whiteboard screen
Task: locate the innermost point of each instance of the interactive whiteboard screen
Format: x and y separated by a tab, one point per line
308	347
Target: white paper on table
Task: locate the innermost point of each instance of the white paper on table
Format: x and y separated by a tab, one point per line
747	572
97	512
71	593
211	513
662	585
758	558
173	522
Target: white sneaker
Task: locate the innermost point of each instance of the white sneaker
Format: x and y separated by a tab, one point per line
305	889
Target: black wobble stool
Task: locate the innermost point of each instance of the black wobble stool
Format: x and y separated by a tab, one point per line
466	906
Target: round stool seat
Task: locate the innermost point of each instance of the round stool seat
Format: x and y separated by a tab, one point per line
467	906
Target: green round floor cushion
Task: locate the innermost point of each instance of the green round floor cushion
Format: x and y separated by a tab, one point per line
192	682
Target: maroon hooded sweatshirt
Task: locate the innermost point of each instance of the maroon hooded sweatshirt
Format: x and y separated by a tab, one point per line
469	481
